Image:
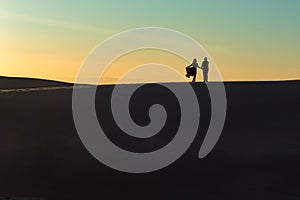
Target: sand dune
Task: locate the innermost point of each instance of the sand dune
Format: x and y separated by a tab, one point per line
35	89
21	83
257	156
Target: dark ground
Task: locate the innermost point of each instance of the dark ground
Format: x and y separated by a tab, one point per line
257	156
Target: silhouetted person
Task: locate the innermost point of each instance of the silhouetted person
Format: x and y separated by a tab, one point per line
191	70
205	69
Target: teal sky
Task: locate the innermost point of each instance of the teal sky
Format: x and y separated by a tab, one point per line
249	40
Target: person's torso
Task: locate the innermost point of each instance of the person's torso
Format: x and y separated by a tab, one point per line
205	65
195	65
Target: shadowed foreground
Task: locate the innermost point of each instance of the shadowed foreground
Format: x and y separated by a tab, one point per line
257	156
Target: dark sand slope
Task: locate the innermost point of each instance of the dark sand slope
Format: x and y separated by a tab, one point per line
257	156
21	83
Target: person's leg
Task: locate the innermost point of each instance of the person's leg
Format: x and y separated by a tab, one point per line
205	76
194	78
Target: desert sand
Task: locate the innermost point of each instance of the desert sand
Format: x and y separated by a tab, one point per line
257	156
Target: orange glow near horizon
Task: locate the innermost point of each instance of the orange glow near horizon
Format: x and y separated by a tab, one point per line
137	58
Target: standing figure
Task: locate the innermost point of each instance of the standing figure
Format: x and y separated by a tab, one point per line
205	69
191	70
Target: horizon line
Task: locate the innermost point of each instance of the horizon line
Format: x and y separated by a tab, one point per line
109	84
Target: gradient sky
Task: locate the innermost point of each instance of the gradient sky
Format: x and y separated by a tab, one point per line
248	40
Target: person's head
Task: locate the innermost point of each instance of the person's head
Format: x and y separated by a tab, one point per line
205	58
195	60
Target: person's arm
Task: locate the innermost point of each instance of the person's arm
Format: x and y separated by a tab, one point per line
189	65
202	65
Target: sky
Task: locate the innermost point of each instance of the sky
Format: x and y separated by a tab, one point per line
248	40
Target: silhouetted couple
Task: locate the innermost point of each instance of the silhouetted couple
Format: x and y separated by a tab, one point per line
191	70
